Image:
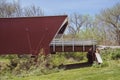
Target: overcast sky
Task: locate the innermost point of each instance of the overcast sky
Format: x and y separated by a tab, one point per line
53	7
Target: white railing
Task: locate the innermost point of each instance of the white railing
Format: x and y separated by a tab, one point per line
62	42
73	42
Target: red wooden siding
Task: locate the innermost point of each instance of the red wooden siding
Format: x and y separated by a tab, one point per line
29	34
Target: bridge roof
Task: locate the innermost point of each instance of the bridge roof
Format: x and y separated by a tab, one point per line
29	34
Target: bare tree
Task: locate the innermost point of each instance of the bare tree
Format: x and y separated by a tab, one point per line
33	11
8	9
18	10
76	22
111	17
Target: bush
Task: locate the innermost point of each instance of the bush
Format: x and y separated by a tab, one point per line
27	66
57	59
78	56
12	56
111	54
116	54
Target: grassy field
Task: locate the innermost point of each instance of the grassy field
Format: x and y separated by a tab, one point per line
109	70
112	72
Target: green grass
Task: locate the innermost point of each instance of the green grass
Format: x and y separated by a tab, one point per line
111	72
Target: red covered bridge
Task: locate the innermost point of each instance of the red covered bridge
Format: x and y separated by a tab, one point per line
27	35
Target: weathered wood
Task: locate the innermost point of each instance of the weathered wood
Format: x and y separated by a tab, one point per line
77	48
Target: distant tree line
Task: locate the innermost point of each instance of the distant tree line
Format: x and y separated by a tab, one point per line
8	9
104	27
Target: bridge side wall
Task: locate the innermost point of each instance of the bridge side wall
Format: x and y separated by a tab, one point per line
71	48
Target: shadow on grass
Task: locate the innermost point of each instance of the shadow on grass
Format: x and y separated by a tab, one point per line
74	66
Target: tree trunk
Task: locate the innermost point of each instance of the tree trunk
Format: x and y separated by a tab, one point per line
118	36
